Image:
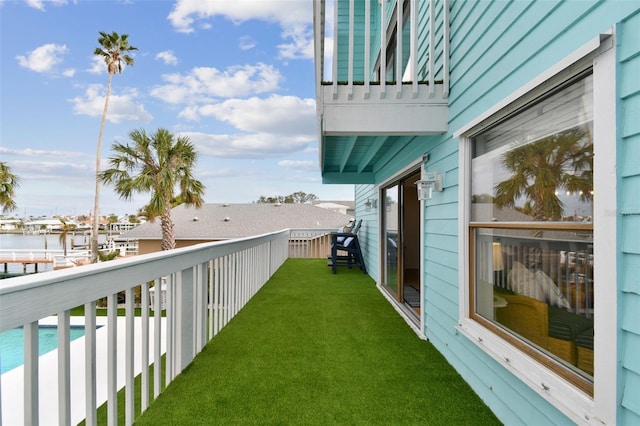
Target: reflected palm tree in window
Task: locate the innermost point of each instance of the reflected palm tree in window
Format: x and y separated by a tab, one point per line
539	170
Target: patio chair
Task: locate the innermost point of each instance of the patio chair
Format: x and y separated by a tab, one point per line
345	250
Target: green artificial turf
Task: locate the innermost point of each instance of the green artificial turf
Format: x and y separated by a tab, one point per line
316	348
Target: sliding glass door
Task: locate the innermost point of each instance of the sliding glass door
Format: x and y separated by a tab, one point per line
401	240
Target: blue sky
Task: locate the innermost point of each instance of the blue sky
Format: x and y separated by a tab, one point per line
236	77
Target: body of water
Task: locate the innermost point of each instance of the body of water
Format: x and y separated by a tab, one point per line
12	344
39	242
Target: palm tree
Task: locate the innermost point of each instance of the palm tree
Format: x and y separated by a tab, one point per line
562	161
8	183
66	228
158	165
113	49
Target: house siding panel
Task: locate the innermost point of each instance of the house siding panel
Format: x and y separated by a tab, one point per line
486	68
497	48
368	232
629	335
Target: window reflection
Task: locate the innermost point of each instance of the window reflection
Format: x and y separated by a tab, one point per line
532	232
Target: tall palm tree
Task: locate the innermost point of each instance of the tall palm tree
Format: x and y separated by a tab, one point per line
113	49
8	183
66	228
562	161
159	165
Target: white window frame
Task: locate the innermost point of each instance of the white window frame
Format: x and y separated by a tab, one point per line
575	404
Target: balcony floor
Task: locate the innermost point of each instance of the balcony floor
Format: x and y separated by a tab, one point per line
317	348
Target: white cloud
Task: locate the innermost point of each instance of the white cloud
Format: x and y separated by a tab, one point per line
246	43
204	83
301	45
28	152
167	57
257	145
122	107
69	72
276	114
43	58
97	65
271	127
39	4
295	17
49	169
304	165
285	12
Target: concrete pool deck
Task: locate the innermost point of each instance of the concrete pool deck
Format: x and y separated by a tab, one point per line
12	382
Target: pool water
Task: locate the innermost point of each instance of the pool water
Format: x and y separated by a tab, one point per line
12	344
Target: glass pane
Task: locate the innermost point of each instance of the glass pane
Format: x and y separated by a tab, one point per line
538	285
538	164
390	226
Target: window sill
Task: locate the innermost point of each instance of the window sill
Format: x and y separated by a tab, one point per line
572	402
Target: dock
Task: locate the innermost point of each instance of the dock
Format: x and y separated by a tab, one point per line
25	263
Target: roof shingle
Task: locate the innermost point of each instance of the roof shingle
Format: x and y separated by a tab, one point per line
227	221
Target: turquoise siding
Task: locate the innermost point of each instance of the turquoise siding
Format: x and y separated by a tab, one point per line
359	39
343	41
368	234
629	187
496	48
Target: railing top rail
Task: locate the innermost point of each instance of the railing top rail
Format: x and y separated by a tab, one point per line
28	298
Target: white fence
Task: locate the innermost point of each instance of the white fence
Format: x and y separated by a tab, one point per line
310	243
207	285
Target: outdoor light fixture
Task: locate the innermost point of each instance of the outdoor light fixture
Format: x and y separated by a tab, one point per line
431	181
370	203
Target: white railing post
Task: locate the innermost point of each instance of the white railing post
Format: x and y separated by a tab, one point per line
31	395
446	34
90	363
64	373
367	47
399	28
112	359
157	336
432	42
184	319
129	347
334	62
350	54
413	43
144	346
383	48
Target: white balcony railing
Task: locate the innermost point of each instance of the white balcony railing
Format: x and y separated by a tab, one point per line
206	285
352	51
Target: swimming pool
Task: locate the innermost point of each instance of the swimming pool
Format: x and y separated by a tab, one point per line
12	344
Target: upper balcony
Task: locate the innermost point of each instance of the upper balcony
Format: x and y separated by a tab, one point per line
380	81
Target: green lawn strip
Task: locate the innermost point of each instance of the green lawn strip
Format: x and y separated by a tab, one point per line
316	348
101	413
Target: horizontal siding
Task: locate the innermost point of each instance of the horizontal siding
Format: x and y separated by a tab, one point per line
629	335
496	48
629	164
368	234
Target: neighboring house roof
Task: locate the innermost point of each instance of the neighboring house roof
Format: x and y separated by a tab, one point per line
227	221
349	204
328	205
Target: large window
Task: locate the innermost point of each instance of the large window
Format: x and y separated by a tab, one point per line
531	229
